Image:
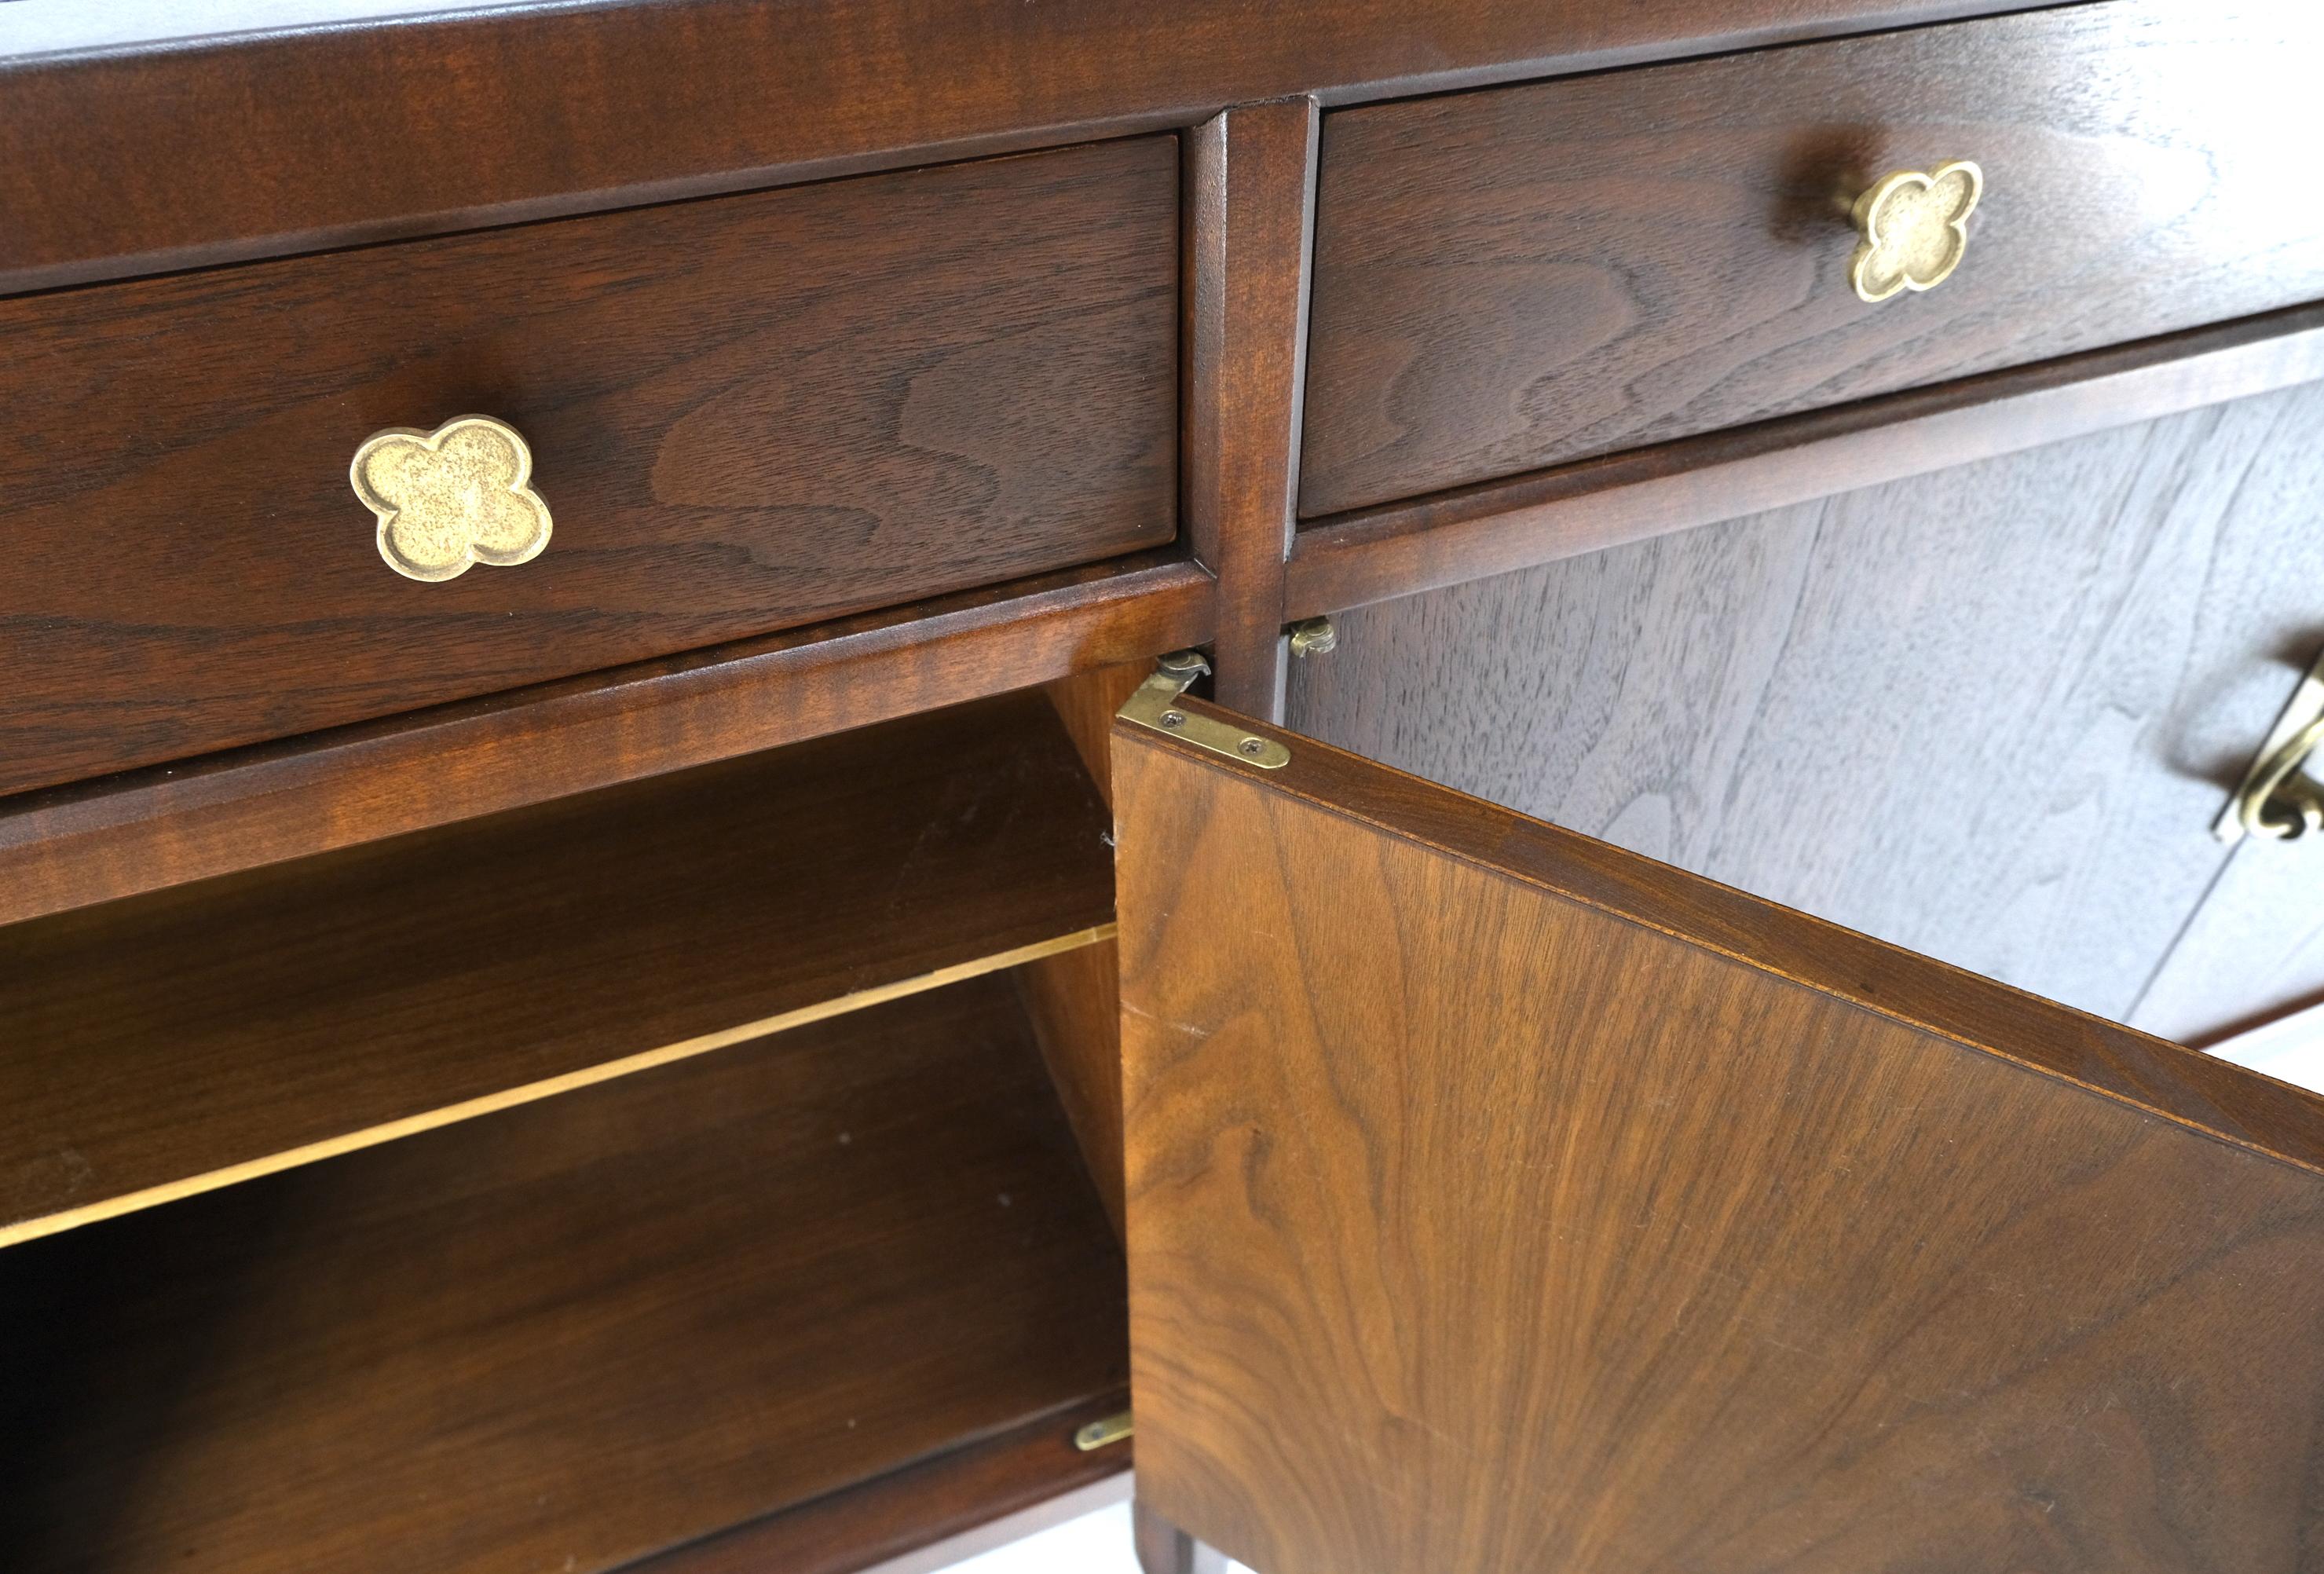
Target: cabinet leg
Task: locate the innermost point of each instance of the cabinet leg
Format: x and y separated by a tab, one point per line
1164	1549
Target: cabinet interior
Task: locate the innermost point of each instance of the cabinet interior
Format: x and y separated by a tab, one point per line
709	1170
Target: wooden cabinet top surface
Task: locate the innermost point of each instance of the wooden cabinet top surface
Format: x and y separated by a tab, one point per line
369	129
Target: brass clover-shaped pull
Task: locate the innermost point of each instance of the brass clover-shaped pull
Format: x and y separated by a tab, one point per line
1915	229
451	497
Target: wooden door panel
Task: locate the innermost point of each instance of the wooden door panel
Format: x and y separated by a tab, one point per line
1501	1200
1986	713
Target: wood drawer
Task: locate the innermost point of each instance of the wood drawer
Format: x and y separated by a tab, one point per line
1520	277
745	413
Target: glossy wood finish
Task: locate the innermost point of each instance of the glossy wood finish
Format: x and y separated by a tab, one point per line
1985	714
207	1033
423	125
1500	1199
883	1521
1515	278
576	1333
746	415
246	809
1250	184
1074	997
1468	533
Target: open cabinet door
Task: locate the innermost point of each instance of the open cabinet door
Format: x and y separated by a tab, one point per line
1500	1200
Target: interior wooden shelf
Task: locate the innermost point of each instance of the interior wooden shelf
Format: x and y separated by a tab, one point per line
177	1042
577	1333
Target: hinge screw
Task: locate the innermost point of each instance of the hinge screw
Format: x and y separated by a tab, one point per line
1314	636
1252	746
1174	718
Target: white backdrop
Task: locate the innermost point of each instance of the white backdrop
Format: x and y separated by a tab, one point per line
1096	1544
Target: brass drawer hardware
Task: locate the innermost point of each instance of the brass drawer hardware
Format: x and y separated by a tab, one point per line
2276	800
1155	705
457	496
1097	1434
1314	636
1914	228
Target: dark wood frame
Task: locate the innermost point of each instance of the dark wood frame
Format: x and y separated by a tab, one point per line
148	828
97	841
1241	572
1249	224
382	131
1377	554
430	131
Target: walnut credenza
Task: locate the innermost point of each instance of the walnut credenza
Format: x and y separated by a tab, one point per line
615	955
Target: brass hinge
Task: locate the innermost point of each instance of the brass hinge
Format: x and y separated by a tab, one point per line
1155	706
1112	1429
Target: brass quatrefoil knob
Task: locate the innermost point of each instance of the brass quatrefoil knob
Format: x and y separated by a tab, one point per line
457	496
1914	228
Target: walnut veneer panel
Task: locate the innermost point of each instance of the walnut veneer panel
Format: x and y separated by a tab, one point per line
1500	1200
1987	713
1513	279
571	1335
745	414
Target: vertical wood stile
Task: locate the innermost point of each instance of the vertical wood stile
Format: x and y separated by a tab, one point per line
1249	229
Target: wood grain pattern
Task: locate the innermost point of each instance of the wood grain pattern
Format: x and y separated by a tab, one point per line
1250	195
875	1526
1074	997
1086	703
431	123
1515	278
1499	1200
146	829
747	415
1987	714
1495	527
189	1037
576	1333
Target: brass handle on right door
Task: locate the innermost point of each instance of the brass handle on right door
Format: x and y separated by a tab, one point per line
2280	802
2277	800
1914	229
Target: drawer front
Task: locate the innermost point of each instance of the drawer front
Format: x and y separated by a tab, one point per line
1516	279
744	413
